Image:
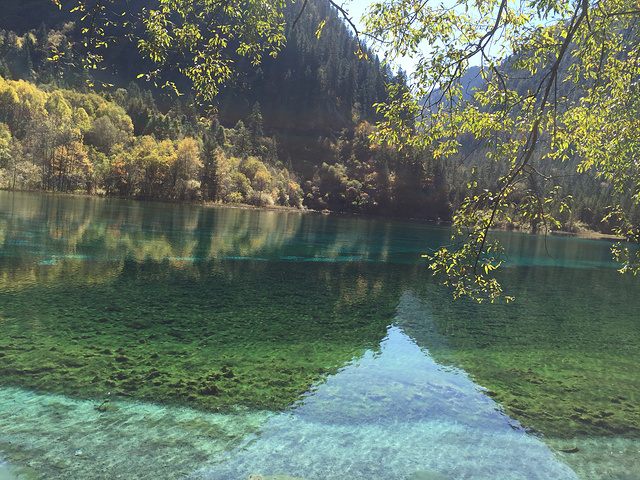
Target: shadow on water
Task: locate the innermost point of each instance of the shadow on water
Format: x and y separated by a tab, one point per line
562	360
393	413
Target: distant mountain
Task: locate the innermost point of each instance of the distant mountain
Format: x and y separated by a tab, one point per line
314	88
25	15
470	82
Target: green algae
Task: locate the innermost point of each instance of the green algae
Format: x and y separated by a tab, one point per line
213	342
176	303
563	360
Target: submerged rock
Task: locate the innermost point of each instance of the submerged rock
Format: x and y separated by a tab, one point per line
427	475
8	472
257	476
211	390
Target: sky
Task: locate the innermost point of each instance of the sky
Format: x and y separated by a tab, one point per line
357	8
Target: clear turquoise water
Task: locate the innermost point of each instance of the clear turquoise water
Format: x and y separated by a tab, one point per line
147	340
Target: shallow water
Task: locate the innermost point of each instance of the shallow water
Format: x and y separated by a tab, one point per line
146	340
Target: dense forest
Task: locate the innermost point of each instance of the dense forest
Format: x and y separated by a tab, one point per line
293	132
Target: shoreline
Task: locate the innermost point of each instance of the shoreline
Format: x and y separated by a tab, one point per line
581	234
590	235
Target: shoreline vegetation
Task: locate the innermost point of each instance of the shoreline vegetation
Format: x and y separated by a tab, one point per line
581	232
66	141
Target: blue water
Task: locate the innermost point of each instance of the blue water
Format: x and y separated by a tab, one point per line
347	359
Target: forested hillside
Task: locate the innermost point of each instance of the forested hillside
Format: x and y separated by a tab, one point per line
293	132
578	199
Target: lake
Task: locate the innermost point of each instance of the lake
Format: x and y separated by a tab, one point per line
158	341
